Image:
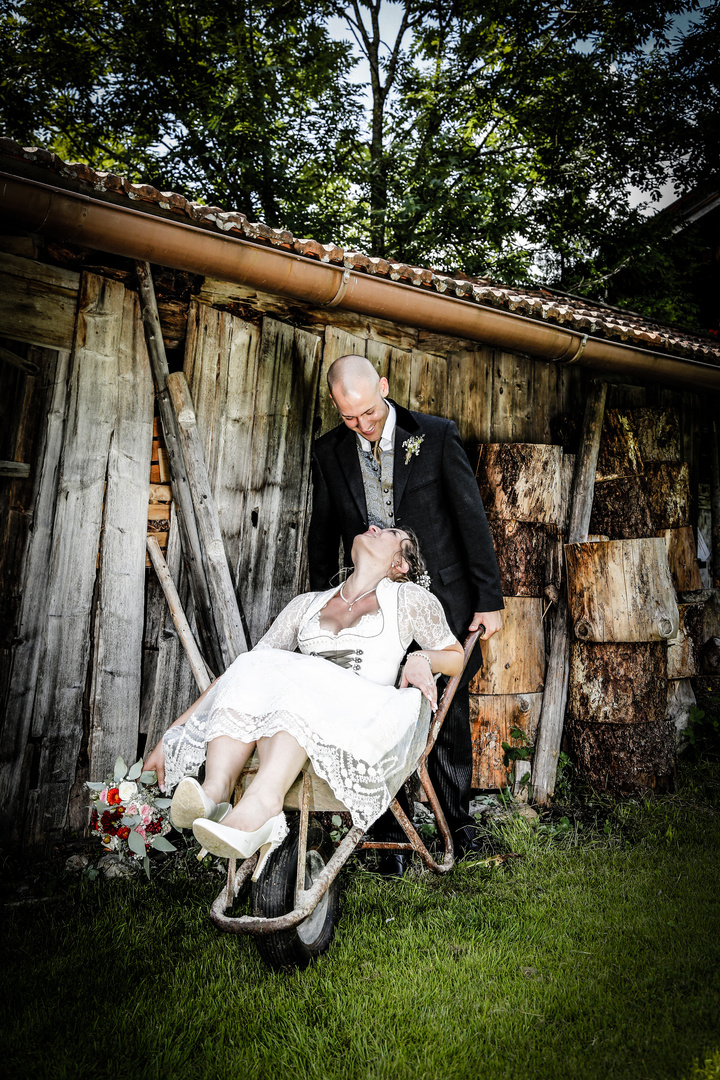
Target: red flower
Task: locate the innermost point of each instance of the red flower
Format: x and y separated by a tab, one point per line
113	796
110	819
123	832
94	820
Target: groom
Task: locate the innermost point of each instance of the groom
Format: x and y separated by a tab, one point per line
387	466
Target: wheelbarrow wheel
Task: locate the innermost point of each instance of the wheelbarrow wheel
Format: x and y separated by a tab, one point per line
273	894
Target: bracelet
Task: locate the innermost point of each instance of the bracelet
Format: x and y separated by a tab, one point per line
424	656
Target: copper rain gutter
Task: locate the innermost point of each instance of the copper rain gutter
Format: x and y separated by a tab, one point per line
80	219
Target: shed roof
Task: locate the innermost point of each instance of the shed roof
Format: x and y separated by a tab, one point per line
548	305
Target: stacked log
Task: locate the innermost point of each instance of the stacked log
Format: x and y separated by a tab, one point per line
522	489
623	611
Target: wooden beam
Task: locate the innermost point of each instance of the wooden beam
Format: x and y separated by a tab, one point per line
556	681
14	469
225	602
715	502
38	302
192	548
199	670
19	362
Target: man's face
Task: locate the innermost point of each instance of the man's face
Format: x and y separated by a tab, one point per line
363	407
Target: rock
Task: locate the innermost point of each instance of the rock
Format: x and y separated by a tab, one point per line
76	863
527	812
113	866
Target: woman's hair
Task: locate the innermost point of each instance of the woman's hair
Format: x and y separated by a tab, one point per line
417	570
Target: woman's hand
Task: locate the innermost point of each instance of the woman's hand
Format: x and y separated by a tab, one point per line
417	672
156	761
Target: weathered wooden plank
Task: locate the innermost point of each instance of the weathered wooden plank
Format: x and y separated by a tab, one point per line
179	618
33	579
469	401
521	482
556	685
169	686
428	383
192	548
78	519
658	433
682	558
38	302
491	719
10	357
618	682
114	700
14	469
622	759
514	660
278	491
523	552
621	590
225	605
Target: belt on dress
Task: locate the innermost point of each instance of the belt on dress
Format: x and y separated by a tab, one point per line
344	658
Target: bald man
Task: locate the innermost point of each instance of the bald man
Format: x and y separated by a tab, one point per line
386	466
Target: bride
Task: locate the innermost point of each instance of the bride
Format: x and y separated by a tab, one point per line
359	731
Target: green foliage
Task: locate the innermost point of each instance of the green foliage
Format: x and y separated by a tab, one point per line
501	138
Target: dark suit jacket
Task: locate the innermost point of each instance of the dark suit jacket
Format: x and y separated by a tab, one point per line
435	494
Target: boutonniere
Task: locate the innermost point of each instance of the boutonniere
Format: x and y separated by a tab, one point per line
412	446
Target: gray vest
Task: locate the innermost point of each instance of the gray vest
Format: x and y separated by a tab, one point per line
378	483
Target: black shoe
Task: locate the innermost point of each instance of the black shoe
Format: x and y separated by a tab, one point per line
465	843
391	864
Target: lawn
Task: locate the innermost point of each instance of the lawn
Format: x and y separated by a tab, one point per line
594	953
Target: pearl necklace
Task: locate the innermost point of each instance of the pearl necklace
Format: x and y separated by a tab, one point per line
351	604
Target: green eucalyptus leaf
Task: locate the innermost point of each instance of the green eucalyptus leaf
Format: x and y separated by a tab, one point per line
94	786
135	770
146	866
131	820
119	770
163	804
148	777
136	843
161	844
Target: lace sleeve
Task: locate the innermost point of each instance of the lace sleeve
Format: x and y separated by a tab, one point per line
284	630
421	617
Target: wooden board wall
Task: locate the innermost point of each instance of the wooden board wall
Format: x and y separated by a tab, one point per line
256	366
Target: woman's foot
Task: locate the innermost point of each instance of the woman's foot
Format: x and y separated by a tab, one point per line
229	843
190	802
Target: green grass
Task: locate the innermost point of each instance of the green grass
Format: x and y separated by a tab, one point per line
596	954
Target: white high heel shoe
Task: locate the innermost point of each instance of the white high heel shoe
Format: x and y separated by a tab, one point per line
229	843
190	803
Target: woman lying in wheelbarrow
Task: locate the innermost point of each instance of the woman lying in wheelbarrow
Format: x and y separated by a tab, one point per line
346	716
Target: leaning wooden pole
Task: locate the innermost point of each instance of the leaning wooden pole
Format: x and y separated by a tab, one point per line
715	502
228	617
197	664
552	714
190	538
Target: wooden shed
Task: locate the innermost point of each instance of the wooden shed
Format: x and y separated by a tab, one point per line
92	664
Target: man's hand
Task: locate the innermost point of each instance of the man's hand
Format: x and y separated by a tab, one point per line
491	620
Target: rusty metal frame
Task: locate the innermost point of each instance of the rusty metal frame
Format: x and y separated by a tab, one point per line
307	900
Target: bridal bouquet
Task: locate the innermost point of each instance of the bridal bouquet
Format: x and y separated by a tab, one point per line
129	815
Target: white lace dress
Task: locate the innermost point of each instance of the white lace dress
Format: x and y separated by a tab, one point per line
361	734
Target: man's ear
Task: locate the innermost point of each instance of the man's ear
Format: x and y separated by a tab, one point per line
384	387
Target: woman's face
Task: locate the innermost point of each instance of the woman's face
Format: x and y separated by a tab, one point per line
386	545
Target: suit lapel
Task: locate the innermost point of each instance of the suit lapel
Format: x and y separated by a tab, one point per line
347	456
406	426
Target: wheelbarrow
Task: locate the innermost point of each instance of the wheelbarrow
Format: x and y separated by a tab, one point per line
295	901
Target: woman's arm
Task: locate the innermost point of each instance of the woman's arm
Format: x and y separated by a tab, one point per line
423	664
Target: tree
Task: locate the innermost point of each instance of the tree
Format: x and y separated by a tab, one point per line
239	102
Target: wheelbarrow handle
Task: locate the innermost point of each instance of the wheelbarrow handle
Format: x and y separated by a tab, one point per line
449	691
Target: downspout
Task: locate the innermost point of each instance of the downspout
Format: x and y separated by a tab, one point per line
121	230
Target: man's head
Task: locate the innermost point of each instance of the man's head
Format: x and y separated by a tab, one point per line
359	395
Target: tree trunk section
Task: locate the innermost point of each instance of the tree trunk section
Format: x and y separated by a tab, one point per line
521	482
514	660
618	683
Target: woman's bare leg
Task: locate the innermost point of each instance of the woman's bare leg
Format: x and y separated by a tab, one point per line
225	760
281	759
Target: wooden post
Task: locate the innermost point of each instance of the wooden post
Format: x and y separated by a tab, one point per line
715	502
199	670
558	672
227	611
192	548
